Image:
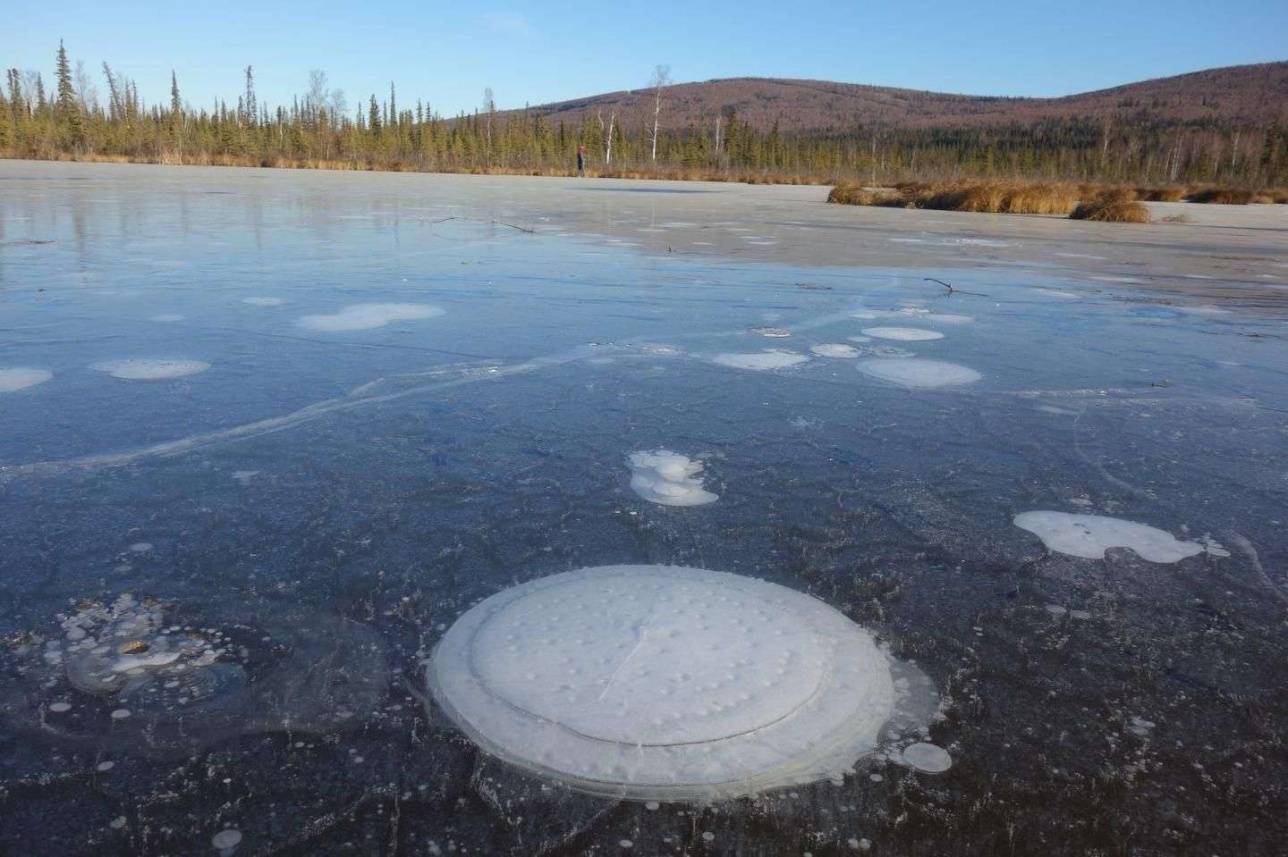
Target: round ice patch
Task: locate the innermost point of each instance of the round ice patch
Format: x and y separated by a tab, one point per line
12	380
903	334
150	370
663	682
916	373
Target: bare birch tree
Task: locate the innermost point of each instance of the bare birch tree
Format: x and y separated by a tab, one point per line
607	131
315	99
86	92
661	79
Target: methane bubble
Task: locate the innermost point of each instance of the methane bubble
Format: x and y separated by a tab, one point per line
150	370
668	478
13	380
761	361
918	374
158	678
927	758
667	683
368	316
1089	536
836	350
904	334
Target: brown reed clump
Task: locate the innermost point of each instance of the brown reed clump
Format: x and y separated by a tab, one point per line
979	196
1160	194
852	194
1116	205
1222	196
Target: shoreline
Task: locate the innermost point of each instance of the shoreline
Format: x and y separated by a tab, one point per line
1235	256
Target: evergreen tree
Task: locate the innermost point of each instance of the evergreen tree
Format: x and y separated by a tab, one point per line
248	101
67	109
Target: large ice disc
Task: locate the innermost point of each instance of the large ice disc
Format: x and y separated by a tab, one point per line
664	682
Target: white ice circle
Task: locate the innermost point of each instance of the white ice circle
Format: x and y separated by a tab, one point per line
150	370
903	334
916	373
927	758
12	380
664	682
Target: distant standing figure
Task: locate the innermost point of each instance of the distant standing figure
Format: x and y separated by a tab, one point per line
581	160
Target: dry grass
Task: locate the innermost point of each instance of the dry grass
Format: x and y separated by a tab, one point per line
1271	196
1161	194
1222	196
1116	205
988	197
850	194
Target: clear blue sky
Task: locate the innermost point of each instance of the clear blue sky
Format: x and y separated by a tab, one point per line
537	52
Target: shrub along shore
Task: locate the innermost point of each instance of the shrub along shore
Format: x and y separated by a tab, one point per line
1080	201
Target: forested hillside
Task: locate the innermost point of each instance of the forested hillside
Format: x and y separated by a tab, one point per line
1220	126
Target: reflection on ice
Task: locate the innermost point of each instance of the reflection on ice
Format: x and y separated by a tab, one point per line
368	316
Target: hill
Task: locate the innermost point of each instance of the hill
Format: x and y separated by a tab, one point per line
1238	95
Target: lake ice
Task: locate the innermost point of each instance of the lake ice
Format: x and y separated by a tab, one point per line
226	585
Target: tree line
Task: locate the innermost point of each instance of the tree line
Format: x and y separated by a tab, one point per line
320	129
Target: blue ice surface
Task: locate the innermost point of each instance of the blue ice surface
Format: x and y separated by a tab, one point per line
398	474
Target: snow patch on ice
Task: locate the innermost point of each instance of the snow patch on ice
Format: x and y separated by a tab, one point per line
1089	536
668	478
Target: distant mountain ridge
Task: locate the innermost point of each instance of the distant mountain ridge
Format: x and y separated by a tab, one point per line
1244	94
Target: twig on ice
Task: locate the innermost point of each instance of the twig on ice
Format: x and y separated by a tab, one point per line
951	290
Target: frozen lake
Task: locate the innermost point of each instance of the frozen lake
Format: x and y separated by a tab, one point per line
299	423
